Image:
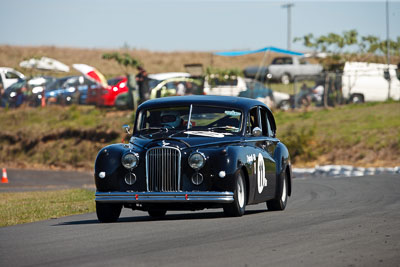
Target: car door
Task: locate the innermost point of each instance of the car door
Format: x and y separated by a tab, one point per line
269	145
264	164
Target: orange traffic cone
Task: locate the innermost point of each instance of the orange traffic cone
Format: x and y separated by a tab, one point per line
4	179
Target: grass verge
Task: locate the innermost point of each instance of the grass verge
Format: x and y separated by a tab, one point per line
26	207
366	135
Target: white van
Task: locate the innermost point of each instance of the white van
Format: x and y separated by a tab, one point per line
229	87
364	82
9	76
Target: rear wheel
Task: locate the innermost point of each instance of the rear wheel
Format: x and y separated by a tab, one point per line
357	98
279	203
157	213
238	207
107	212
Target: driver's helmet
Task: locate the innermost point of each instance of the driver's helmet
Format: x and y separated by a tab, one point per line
170	119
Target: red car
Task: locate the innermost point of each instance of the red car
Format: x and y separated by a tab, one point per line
107	96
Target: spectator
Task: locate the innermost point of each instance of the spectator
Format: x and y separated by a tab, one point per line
2	92
143	84
180	89
303	97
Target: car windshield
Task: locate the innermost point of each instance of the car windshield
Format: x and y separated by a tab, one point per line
202	118
153	83
114	81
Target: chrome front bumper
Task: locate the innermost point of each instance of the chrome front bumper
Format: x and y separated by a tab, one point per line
164	197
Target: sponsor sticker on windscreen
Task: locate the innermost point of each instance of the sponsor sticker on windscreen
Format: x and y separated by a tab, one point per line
232	113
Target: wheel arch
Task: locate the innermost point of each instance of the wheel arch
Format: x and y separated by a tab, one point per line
283	166
247	182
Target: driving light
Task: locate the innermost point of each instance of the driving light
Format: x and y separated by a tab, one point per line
129	160
197	160
130	178
197	178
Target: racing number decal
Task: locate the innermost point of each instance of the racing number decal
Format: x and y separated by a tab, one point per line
261	180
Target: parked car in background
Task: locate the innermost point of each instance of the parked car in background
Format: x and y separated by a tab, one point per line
54	88
121	100
8	76
73	90
156	78
192	153
284	69
230	86
273	99
177	86
38	84
15	95
100	96
364	82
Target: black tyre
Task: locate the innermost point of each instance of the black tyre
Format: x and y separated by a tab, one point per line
357	98
157	213
107	212
279	203
238	207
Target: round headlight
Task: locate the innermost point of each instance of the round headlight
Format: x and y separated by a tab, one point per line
129	161
197	160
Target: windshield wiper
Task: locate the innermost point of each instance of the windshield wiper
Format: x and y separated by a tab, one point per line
176	133
226	127
160	129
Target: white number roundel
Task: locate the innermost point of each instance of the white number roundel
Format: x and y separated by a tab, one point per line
261	180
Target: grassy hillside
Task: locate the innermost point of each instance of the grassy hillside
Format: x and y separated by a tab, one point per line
69	137
154	62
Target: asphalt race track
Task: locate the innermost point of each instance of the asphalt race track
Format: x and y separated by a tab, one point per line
352	221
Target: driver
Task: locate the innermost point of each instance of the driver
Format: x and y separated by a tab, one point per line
170	119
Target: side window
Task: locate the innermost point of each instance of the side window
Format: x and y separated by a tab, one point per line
271	124
266	127
171	85
11	75
252	121
303	61
288	61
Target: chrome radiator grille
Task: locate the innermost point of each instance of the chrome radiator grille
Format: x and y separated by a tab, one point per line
163	169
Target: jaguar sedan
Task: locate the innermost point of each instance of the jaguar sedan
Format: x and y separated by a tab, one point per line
192	153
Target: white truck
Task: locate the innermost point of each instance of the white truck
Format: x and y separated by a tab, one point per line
365	82
284	69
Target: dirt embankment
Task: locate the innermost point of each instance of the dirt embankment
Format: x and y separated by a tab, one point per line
61	149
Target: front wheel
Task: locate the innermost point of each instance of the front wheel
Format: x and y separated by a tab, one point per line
238	207
279	203
107	212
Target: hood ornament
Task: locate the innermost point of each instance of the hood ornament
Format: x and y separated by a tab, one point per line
165	143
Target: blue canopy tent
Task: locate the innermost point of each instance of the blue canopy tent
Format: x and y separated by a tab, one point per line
265	50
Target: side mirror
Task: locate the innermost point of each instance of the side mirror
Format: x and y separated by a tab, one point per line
127	128
256	132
